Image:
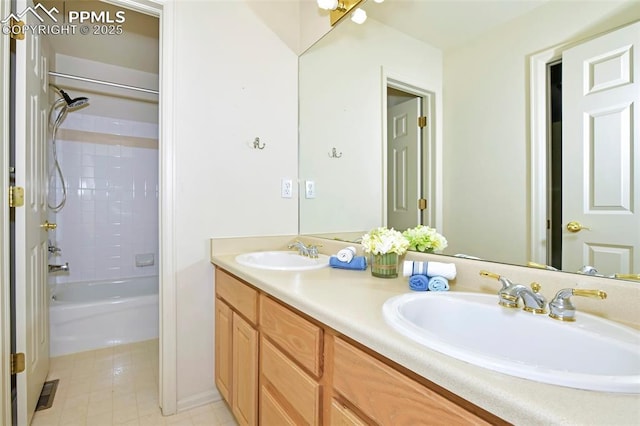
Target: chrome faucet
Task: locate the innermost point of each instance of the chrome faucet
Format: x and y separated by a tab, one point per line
511	293
309	251
58	268
302	249
53	249
533	301
562	309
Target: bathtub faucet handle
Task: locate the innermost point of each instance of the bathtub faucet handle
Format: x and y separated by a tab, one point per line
53	249
58	268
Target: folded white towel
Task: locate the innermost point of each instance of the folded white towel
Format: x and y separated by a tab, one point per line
410	267
430	269
346	254
439	269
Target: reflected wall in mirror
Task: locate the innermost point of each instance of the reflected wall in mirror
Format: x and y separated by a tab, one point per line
482	172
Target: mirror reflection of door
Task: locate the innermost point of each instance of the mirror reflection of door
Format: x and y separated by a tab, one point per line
601	198
408	155
403	164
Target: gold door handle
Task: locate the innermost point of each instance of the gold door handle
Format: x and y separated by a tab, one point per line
48	226
575	226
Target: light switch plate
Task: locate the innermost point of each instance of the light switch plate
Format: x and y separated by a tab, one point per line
310	189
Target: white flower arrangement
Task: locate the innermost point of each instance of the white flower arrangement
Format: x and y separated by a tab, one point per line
383	240
424	238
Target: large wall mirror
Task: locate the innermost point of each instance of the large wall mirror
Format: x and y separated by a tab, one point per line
467	67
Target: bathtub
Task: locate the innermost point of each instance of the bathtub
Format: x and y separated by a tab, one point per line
91	315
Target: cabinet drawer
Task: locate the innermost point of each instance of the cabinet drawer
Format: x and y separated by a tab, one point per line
240	296
342	416
300	391
299	338
271	413
386	395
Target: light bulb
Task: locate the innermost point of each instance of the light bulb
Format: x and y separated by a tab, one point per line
378	1
359	16
328	4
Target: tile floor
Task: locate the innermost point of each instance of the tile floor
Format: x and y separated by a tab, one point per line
117	386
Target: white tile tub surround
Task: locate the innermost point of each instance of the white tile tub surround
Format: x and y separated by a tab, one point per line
111	213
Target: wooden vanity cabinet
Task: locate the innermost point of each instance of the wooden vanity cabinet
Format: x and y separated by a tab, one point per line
277	366
236	346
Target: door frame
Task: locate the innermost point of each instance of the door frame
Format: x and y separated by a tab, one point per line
431	150
539	133
5	319
164	10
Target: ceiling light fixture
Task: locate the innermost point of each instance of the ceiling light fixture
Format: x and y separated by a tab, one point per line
338	8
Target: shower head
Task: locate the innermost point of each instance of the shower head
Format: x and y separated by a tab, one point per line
73	103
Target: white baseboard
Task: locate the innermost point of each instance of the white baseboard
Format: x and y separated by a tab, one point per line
199	399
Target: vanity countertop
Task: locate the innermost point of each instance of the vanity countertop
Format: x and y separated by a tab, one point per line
351	302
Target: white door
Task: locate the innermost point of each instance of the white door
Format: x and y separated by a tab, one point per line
601	153
403	165
31	294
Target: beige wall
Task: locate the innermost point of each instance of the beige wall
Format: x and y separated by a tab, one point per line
234	80
486	147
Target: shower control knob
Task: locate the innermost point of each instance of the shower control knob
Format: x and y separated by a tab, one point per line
48	226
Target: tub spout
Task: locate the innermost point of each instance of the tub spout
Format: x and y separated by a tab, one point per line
58	268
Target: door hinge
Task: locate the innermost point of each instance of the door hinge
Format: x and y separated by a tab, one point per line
17	363
16	196
15	24
422	121
422	204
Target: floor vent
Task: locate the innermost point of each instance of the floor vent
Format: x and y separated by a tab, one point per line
46	396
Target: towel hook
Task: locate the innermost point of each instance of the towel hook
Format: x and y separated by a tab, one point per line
256	144
334	153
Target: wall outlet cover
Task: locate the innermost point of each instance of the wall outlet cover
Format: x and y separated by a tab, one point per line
310	189
286	188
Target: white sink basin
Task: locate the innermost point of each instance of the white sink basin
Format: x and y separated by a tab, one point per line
591	353
282	260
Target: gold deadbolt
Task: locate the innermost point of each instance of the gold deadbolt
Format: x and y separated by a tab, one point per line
48	226
575	226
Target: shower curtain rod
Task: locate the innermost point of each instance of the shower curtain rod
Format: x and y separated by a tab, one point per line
106	83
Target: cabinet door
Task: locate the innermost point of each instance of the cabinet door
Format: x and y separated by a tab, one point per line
223	349
244	402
